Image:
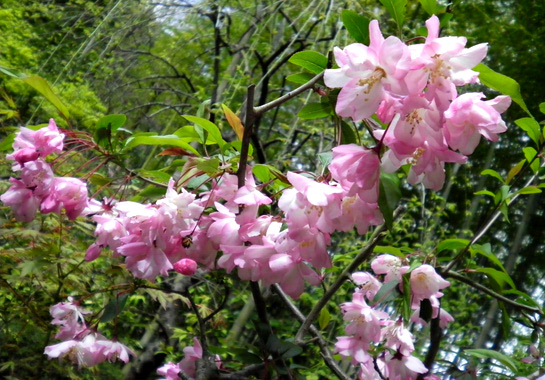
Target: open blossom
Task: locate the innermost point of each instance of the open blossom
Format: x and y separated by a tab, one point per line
368	73
468	117
66	193
425	283
389	265
30	145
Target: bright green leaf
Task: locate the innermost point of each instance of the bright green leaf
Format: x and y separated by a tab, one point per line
310	60
452	244
214	133
41	85
324	318
501	83
529	190
396	9
500	277
542	107
357	26
208	165
530	154
531	127
486	251
492	173
485	192
314	111
431	7
300	78
261	172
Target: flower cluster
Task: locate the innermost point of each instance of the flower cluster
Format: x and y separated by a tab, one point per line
81	345
414	89
376	341
38	187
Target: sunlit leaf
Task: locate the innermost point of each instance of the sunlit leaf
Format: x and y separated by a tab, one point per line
310	60
357	26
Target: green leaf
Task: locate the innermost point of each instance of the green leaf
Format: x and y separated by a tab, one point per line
113	308
7	142
529	190
348	134
357	26
396	9
324	318
385	292
283	349
530	153
310	60
485	192
542	107
514	171
325	158
431	7
483	353
214	133
208	165
261	172
99	179
171	140
105	127
501	278
486	251
493	173
531	127
40	84
300	78
390	250
406	300
389	196
113	122
501	83
314	111
452	244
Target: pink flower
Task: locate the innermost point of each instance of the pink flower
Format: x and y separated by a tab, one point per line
170	371
368	73
188	365
29	144
357	169
68	193
425	283
468	117
22	200
113	350
398	337
389	265
368	283
187	267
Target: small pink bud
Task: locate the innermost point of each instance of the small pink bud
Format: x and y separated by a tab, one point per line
187	267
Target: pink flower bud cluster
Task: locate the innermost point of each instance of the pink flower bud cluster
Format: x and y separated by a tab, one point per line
414	89
188	365
38	188
376	341
81	345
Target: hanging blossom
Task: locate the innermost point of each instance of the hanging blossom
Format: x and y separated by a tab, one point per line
80	344
414	90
